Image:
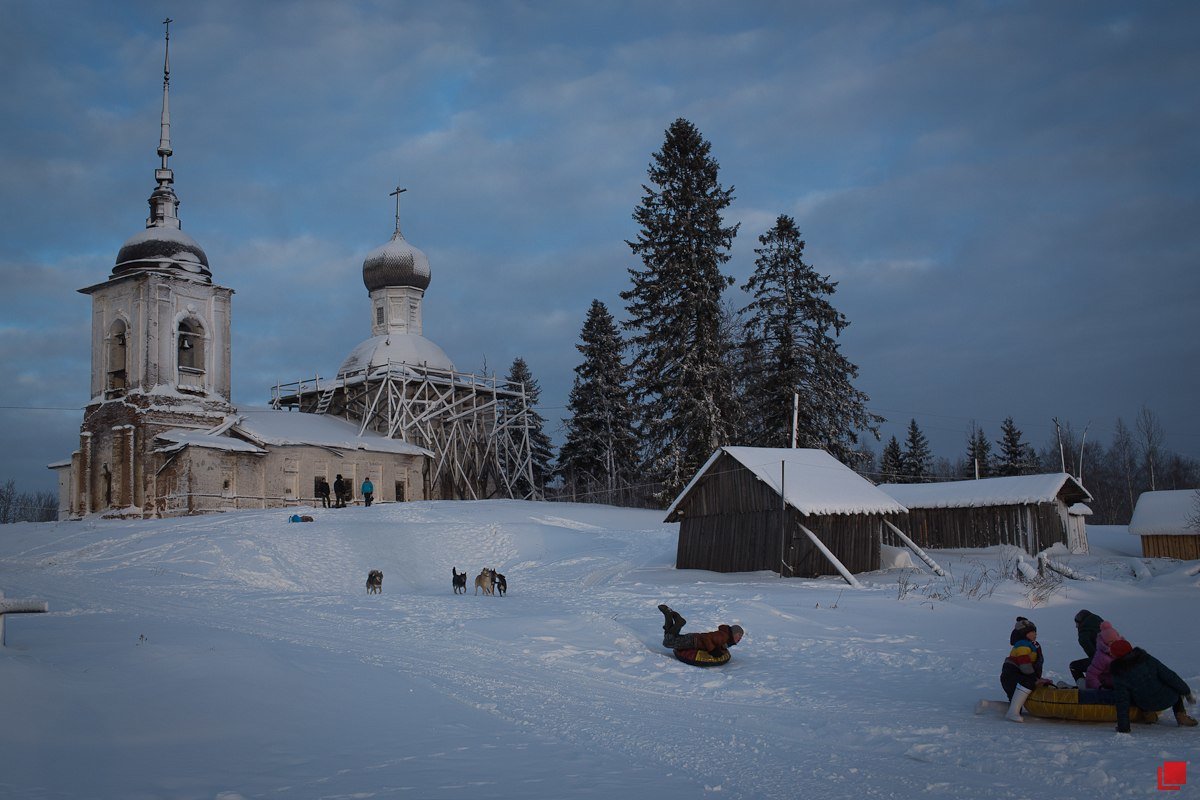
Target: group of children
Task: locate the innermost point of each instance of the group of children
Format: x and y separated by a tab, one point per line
1113	673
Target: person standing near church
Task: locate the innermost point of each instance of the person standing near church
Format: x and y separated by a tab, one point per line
339	492
368	491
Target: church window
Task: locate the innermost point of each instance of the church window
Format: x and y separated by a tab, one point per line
378	315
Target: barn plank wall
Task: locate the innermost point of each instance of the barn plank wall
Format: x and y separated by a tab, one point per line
953	528
731	523
1185	548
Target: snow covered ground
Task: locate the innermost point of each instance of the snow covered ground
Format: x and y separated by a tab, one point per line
238	656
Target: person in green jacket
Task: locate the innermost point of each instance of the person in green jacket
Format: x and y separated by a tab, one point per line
1140	679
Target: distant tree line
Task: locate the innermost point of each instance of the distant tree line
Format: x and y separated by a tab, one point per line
687	371
26	506
1135	460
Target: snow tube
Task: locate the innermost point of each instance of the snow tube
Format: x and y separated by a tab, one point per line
702	658
1052	703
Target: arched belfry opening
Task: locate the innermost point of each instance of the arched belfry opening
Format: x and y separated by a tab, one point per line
190	342
117	367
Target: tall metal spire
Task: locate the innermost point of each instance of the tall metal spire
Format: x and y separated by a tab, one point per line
164	139
164	205
397	194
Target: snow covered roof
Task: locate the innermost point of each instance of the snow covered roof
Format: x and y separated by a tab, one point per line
1166	513
179	438
271	428
274	427
1007	491
400	348
815	482
1080	510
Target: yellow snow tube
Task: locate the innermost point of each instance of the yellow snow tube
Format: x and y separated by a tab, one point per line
1052	703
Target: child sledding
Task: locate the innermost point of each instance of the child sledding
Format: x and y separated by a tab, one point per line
1130	684
709	649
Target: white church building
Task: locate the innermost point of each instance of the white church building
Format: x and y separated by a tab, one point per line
160	435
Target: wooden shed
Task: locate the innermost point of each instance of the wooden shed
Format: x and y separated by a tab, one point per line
1028	511
734	516
1167	523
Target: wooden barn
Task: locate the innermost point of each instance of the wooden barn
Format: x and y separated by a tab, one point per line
1028	511
734	517
1168	524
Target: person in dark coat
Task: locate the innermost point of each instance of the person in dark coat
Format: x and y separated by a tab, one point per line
1140	679
323	492
715	643
1021	672
1087	625
339	492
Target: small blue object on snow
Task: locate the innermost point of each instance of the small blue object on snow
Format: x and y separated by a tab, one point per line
295	518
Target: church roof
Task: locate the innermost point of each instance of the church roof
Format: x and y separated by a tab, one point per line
254	430
395	348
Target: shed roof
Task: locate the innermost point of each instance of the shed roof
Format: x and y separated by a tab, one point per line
1166	513
815	482
1013	490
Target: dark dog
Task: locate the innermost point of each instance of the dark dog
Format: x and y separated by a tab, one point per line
500	582
375	581
459	581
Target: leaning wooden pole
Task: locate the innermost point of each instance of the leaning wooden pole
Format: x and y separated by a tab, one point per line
838	565
913	546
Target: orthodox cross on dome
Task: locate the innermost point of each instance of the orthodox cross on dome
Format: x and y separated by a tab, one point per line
397	194
164	205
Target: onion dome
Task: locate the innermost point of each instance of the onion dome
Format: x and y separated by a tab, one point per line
396	263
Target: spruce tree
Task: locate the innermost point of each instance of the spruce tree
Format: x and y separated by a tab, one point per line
793	327
541	450
979	454
1015	457
597	461
917	459
891	463
681	378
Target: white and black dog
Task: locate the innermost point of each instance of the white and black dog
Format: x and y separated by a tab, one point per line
375	581
458	581
500	583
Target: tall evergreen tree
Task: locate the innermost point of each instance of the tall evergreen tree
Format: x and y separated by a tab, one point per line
1016	456
597	461
891	463
541	450
794	327
917	459
979	454
681	378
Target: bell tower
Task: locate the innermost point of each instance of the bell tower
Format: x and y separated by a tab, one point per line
160	351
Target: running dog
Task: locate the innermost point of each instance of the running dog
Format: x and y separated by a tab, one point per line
500	582
375	581
484	581
458	581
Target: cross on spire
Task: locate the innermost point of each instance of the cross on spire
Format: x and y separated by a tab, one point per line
397	194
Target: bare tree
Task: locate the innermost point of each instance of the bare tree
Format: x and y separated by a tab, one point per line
1150	440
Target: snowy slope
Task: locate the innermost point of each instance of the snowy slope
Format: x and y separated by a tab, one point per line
238	656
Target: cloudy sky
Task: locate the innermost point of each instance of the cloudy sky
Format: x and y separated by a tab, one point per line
1007	192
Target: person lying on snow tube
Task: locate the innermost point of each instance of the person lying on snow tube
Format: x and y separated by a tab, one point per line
1140	679
698	649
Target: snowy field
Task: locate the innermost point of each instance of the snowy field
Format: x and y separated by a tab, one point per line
238	656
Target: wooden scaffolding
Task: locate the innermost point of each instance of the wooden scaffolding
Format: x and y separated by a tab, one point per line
476	427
